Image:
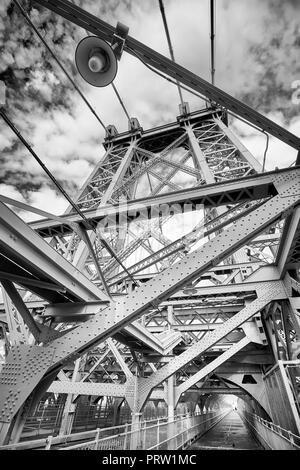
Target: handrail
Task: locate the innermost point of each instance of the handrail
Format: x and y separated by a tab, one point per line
138	432
185	430
284	434
49	441
278	429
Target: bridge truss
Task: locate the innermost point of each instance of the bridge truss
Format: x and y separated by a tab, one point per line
176	314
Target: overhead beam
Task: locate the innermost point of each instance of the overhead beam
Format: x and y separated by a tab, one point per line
268	293
87	388
211	367
234	191
28	282
118	390
28	255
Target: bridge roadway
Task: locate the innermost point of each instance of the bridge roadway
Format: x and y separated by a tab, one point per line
229	434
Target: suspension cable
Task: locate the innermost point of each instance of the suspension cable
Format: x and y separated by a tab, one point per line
120	100
265	153
163	14
212	40
23	12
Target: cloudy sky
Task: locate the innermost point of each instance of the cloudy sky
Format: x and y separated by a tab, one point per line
257	61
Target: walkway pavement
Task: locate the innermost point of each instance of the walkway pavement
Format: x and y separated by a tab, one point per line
229	434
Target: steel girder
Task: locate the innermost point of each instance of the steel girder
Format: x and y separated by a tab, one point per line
17	328
198	232
34	264
88	388
113	318
288	256
118	390
224	193
25	254
268	292
210	367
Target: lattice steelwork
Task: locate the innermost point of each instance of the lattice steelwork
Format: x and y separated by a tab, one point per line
199	149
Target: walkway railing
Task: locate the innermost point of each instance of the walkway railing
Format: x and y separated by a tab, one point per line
270	435
183	433
162	435
149	434
50	441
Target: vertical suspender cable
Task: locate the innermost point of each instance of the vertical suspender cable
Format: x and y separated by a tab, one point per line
163	14
121	101
212	40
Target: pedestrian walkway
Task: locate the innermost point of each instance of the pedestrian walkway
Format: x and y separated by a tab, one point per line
230	433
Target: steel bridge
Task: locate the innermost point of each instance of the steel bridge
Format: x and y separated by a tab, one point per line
142	348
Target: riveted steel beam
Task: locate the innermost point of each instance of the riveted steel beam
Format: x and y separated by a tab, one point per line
231	192
268	293
211	367
288	256
24	253
87	388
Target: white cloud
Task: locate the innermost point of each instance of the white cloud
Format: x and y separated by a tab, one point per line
47	200
9	190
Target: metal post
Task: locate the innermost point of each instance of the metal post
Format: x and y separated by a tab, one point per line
126	436
66	422
135	431
212	40
170	391
157	431
144	434
291	437
97	438
48	442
